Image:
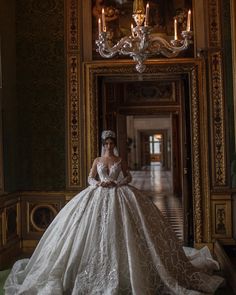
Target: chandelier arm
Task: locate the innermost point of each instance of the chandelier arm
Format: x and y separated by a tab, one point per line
165	46
124	46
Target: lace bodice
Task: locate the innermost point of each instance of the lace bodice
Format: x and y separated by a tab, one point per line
106	173
109	173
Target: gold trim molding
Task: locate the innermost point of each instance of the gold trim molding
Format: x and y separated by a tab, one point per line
194	70
73	52
32	218
219	162
214	23
217	99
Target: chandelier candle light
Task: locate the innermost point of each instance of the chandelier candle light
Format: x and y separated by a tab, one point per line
141	44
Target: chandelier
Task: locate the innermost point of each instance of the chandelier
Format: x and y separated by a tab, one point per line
141	44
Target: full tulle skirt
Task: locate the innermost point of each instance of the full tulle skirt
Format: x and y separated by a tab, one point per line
109	241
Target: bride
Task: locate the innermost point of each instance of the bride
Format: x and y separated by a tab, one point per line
111	239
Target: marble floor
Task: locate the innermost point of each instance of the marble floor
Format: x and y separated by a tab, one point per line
156	183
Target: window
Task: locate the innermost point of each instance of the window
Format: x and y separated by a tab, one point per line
155	142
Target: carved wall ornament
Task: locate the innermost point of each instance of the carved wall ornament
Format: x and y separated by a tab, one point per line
41	216
196	156
214	23
73	29
220	221
73	95
137	92
218	118
40	208
73	118
221	216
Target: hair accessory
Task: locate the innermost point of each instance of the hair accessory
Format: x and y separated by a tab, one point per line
108	133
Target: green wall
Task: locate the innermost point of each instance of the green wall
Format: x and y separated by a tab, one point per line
9	116
40	72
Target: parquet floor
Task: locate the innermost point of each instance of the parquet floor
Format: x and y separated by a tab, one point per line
156	183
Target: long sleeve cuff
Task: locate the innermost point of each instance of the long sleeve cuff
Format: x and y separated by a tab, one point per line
91	180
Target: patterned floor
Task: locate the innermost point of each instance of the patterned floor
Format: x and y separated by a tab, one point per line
156	183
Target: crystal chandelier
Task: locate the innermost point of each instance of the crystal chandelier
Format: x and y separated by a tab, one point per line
141	44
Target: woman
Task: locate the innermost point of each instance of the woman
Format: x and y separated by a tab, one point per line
110	239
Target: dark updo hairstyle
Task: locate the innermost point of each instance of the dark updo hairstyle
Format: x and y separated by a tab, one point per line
108	134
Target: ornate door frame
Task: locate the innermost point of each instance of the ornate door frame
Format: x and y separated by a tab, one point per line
194	70
208	37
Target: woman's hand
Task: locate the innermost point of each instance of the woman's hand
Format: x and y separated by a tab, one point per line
107	183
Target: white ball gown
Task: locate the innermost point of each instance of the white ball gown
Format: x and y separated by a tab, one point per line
109	241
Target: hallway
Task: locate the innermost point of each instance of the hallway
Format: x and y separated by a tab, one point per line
157	184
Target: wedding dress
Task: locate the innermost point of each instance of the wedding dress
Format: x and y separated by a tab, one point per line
109	241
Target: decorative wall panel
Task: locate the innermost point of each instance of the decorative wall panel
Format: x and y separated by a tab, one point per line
41	94
10	229
40	209
11	219
150	92
214	23
40	216
218	120
74	175
217	97
221	217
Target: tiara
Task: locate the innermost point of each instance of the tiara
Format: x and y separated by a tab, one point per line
108	133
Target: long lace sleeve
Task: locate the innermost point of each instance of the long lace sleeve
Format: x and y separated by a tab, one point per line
125	180
92	175
127	177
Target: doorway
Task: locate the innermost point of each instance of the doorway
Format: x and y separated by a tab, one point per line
152	148
151	140
171	86
149	149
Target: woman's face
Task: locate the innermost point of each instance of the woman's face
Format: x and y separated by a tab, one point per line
109	145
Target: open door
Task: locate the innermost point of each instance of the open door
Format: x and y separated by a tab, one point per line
176	146
122	136
175	153
145	149
187	197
